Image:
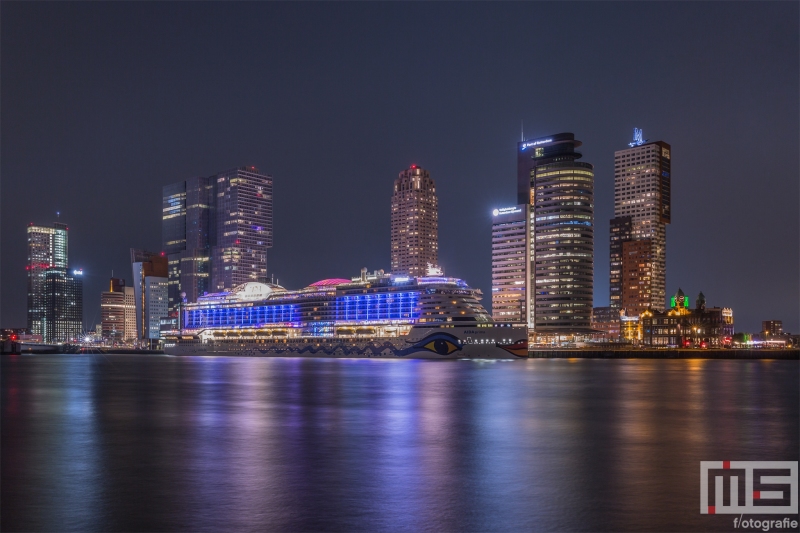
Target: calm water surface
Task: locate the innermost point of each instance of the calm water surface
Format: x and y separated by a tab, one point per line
158	443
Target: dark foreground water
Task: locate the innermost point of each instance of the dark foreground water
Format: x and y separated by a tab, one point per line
157	443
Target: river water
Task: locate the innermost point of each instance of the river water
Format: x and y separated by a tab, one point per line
159	443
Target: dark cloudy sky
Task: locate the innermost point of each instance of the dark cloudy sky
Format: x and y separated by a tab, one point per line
103	103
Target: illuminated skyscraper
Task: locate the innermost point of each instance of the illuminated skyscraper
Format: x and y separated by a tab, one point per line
243	213
510	264
55	295
642	195
118	312
415	223
188	232
63	305
560	191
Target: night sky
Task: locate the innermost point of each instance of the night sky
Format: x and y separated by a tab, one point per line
104	103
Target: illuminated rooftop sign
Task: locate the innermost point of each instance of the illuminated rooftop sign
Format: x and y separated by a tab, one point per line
637	138
507	211
535	143
78	272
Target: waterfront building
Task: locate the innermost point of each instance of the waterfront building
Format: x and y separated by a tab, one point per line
118	312
188	232
642	191
511	264
637	267
620	233
63	318
150	275
680	326
415	223
47	248
55	294
561	197
772	328
606	324
243	220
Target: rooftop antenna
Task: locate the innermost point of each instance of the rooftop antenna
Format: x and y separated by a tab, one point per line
522	131
58	214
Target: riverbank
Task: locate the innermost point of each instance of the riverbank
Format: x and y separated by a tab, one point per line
603	353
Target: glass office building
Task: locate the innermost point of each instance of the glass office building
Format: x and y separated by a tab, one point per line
243	220
48	249
560	192
188	231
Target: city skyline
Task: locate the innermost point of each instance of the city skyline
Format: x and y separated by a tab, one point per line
729	131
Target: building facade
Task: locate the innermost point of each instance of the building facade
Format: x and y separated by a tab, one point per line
47	248
415	223
772	328
561	198
188	233
620	234
637	271
606	324
150	285
511	264
682	327
118	312
63	320
642	192
55	294
243	220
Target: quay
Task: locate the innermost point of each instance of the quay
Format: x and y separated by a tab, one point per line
674	353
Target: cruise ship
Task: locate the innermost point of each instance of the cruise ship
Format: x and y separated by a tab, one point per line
375	315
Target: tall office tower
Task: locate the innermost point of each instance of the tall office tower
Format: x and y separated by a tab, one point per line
510	264
47	248
118	312
243	227
63	319
620	233
150	285
561	194
642	191
415	223
187	232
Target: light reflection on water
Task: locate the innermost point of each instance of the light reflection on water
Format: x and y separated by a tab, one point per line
151	443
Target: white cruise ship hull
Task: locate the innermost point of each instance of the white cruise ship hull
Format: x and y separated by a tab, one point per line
455	342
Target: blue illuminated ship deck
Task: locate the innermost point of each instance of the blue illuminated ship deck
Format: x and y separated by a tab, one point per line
376	304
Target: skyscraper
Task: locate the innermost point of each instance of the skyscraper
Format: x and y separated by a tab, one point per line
510	264
188	232
118	312
415	223
55	295
642	192
63	320
243	227
560	192
47	248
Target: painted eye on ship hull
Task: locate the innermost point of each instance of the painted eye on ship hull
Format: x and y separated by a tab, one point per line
441	344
